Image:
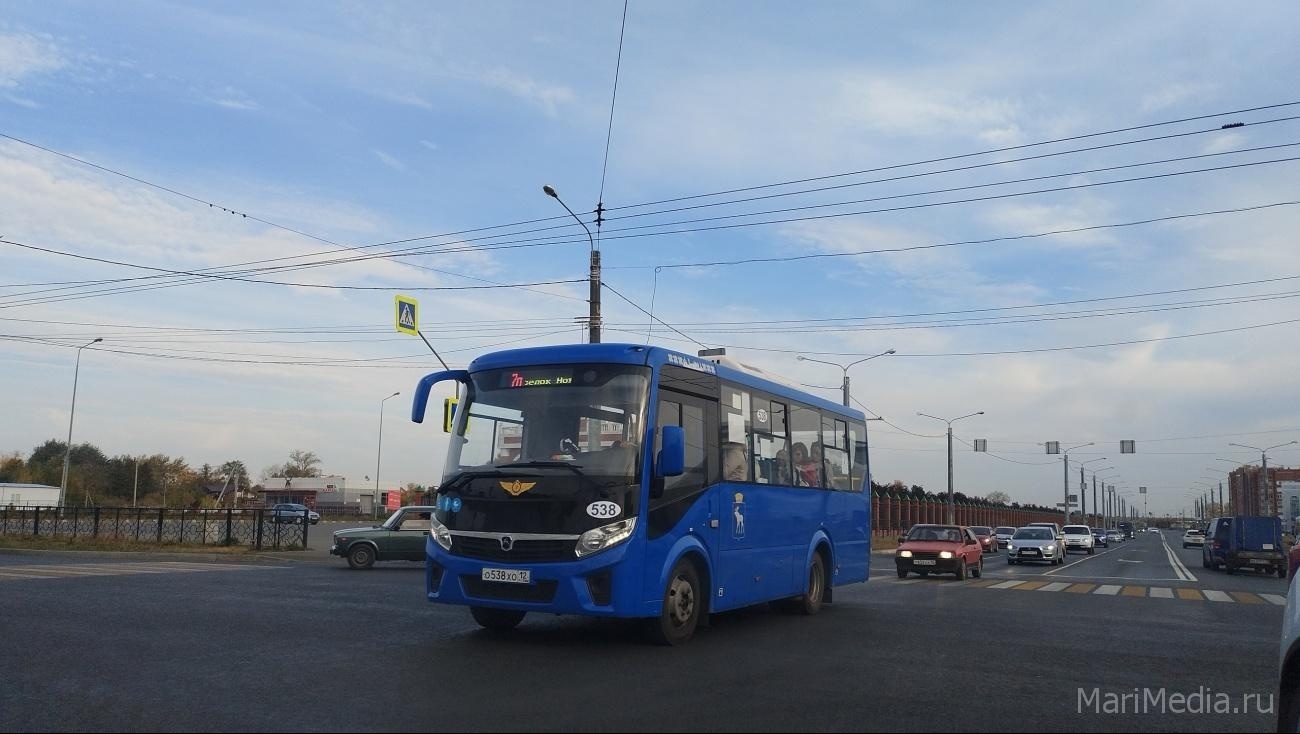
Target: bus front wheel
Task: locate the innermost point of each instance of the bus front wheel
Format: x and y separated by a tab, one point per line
497	620
681	607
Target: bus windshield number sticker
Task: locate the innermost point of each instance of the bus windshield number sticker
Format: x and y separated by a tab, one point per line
602	510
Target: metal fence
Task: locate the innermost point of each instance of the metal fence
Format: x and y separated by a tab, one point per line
893	512
258	529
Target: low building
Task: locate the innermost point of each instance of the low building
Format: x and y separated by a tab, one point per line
1248	495
28	495
320	493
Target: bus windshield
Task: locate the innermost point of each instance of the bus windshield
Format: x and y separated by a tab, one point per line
586	419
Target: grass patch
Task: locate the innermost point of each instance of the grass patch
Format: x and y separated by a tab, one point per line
40	542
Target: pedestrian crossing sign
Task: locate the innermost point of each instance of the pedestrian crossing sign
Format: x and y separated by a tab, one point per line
408	319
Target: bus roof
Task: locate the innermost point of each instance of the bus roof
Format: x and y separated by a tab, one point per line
650	356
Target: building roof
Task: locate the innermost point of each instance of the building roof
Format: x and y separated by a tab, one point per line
23	485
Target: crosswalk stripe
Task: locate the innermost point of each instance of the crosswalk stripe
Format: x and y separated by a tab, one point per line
1216	595
1189	595
1006	585
1161	592
1030	585
984	583
1246	597
1107	589
1134	591
1055	586
1080	588
1277	599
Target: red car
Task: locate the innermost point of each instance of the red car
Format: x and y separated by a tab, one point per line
928	549
988	541
1293	560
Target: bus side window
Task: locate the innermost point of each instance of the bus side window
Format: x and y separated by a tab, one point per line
692	480
858	447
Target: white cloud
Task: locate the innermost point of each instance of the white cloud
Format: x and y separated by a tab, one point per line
547	96
232	99
406	98
389	160
429	145
23	102
1176	94
24	55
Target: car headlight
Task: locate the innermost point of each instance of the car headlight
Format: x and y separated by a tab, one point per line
1049	547
945	554
605	536
1011	546
905	554
439	532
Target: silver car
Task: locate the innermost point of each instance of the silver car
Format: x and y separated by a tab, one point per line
1035	544
1003	534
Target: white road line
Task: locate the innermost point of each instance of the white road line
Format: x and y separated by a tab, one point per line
1075	563
1007	585
1117	578
1216	595
1179	569
1161	592
1274	599
1055	586
1108	590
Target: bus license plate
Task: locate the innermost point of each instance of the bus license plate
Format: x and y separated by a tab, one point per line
923	563
508	575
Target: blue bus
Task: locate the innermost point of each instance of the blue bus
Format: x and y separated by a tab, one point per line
619	480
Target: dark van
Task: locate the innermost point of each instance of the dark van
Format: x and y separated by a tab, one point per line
1239	543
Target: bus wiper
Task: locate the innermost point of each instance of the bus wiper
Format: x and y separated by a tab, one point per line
575	468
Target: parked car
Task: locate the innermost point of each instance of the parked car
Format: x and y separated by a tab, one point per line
292	512
400	538
1079	537
1239	543
1035	543
988	542
1003	534
1288	689
1100	538
1193	537
928	549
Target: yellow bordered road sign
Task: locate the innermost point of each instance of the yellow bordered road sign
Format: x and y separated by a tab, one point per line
407	315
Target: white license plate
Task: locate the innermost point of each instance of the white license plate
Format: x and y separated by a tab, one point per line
508	575
1259	562
923	563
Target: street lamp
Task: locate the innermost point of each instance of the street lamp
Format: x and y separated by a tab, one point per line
845	368
593	275
1065	466
952	511
380	456
67	450
1083	489
1096	508
1263	469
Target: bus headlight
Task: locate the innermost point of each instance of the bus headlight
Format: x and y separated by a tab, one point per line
439	532
605	536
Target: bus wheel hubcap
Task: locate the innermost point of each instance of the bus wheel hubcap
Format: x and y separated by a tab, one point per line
681	600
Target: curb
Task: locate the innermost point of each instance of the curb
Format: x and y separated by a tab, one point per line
295	557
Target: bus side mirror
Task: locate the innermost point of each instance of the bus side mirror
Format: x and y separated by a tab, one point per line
672	452
421	400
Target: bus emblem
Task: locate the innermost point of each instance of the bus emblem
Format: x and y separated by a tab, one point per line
517	487
507	543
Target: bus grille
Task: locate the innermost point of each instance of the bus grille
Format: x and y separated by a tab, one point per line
542	592
523	551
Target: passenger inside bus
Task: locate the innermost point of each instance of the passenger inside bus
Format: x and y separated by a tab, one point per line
735	462
806	472
783	468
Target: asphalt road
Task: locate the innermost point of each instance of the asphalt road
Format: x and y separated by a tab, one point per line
106	643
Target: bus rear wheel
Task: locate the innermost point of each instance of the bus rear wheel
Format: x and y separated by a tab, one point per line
811	601
682	605
497	620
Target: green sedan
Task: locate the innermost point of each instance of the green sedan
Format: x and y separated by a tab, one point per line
400	538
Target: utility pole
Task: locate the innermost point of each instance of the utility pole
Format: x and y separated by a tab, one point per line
952	510
135	492
67	450
593	273
1094	495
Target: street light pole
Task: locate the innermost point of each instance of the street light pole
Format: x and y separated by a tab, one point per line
1065	483
593	273
380	455
1263	470
1083	488
844	384
67	450
952	510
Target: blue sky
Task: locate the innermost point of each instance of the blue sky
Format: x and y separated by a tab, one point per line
367	122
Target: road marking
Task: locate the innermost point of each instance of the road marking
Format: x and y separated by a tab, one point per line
1108	589
1188	594
1161	592
1127	560
1179	569
1246	597
1031	585
1134	591
1274	599
1114	578
80	570
1074	563
1081	588
1216	595
984	583
1007	585
1055	586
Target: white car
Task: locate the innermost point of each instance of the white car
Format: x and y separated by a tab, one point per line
1079	537
1193	537
1288	709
